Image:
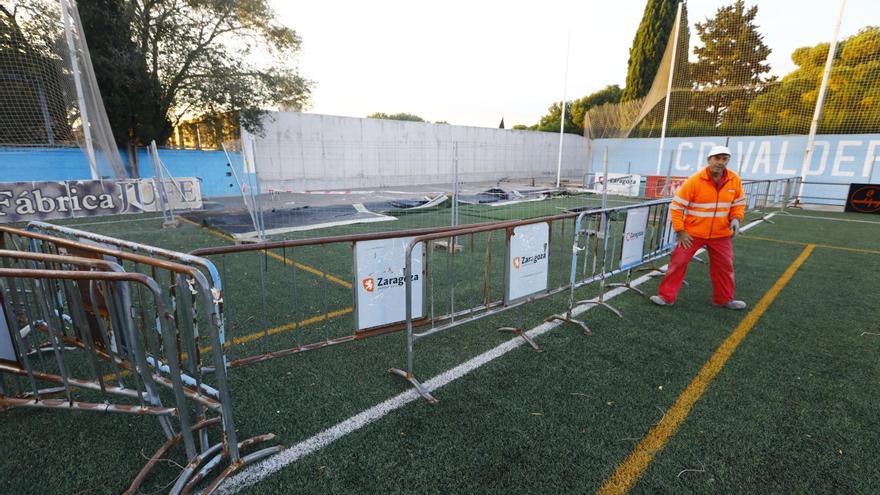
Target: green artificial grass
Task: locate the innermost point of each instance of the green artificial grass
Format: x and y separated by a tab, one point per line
790	412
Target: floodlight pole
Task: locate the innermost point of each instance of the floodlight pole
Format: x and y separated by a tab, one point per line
669	86
562	120
589	144
77	81
817	112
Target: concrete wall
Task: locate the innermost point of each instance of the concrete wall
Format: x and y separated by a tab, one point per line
301	151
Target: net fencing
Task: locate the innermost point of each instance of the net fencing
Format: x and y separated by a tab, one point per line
49	99
715	86
311	176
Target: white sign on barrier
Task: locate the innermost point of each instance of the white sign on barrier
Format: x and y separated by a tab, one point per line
622	184
7	351
528	261
669	236
380	285
633	246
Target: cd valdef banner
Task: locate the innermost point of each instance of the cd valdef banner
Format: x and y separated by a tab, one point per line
27	201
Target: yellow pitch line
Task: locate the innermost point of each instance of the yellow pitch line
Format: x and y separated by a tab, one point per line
824	246
631	469
277	256
288	326
257	335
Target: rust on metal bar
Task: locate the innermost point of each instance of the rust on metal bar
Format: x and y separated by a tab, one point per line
160	454
87	406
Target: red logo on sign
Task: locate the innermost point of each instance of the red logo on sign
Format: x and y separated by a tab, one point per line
369	284
516	262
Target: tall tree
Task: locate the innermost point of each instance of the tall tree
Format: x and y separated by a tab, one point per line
130	95
575	111
852	102
648	47
731	68
201	61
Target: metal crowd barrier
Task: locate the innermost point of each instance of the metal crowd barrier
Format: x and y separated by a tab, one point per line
171	352
614	241
282	286
605	231
774	195
525	270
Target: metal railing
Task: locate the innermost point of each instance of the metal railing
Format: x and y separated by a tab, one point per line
189	305
299	291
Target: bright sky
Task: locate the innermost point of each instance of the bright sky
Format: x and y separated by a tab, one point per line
470	62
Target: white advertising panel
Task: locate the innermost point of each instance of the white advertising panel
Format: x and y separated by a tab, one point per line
620	184
528	261
7	352
380	285
668	232
633	246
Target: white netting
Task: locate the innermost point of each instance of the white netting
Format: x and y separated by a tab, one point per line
722	90
49	97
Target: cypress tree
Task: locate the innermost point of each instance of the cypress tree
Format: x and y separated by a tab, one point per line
648	46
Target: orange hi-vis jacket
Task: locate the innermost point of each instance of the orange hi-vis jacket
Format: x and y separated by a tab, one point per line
704	209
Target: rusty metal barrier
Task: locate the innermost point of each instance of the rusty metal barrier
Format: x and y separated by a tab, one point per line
185	289
288	283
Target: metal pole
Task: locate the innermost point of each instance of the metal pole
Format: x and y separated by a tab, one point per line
454	221
589	142
669	86
605	180
562	120
77	81
817	112
667	190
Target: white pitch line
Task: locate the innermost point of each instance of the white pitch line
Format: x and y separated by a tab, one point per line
257	472
833	219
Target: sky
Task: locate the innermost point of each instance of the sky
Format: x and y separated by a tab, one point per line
473	62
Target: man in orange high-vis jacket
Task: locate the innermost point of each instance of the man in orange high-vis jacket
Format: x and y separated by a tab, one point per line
706	212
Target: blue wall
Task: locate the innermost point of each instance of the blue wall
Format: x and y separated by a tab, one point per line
45	164
837	158
210	166
41	164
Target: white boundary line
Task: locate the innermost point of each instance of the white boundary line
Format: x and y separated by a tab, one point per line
832	219
257	472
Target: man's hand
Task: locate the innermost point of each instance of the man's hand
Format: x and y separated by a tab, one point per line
734	226
683	239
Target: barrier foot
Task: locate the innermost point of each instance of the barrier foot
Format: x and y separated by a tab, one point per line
571	320
764	218
627	286
699	260
597	302
525	336
415	383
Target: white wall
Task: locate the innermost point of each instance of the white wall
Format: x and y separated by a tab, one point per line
302	151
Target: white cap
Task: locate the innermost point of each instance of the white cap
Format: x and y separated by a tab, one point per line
719	150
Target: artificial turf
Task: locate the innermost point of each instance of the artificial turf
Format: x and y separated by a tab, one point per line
790	412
